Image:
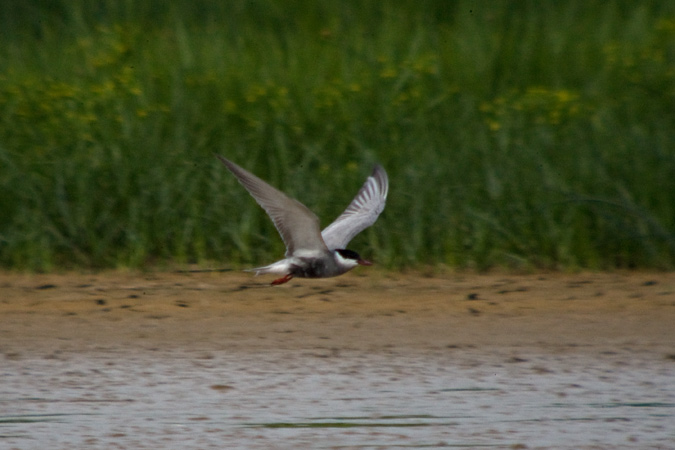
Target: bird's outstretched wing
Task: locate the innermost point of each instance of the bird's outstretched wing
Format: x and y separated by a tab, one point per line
361	213
298	226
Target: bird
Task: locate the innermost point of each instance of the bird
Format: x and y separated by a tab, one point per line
310	252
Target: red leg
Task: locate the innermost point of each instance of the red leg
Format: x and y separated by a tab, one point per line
282	280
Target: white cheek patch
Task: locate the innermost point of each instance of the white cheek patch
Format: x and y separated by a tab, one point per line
346	262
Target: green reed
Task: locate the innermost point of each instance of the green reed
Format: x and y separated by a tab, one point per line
528	135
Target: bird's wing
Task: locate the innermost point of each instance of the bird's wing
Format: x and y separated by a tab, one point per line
297	225
361	213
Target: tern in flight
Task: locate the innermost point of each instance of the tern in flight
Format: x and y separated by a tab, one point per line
310	252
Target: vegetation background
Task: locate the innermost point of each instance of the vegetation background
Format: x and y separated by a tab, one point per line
530	134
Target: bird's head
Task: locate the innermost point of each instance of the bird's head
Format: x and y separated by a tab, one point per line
350	258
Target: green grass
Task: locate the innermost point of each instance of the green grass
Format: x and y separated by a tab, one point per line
516	134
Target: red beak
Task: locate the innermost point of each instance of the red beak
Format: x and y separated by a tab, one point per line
363	262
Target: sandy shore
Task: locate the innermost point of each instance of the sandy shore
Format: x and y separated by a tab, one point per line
367	360
367	311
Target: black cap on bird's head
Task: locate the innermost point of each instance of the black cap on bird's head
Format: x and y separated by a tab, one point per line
351	254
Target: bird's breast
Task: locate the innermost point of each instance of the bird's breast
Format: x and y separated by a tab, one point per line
314	268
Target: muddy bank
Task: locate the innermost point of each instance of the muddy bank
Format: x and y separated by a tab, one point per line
366	311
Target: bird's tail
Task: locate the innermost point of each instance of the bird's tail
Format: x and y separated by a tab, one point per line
277	268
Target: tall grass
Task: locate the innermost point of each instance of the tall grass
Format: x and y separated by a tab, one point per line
519	134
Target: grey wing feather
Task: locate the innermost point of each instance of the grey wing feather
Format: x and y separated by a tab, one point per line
361	213
297	225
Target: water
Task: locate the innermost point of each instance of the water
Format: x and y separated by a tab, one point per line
321	398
